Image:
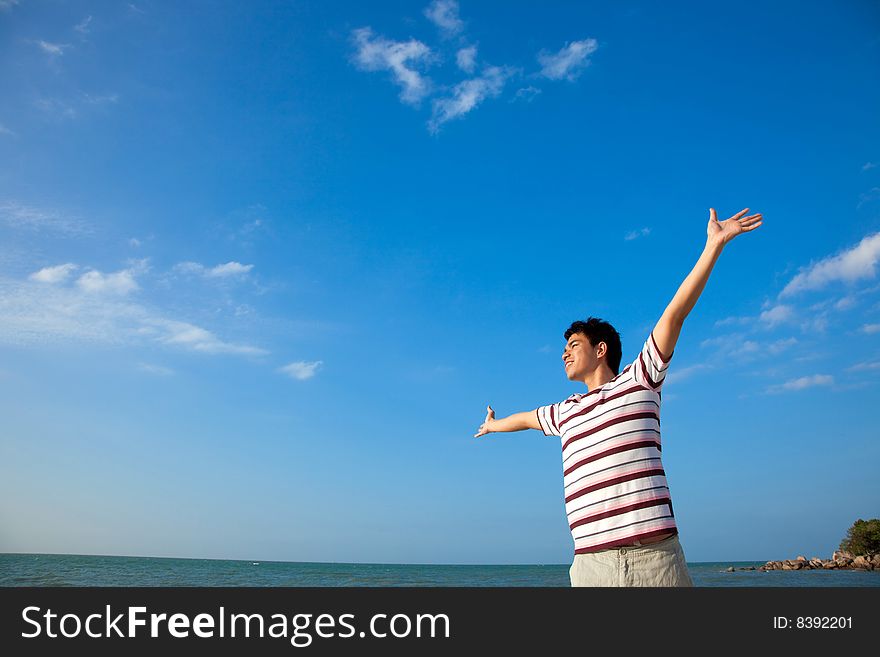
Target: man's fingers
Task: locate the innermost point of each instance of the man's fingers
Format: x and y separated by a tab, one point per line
712	215
740	213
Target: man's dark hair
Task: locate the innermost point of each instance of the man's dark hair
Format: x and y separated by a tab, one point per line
598	331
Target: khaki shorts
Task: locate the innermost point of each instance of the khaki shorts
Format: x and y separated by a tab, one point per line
658	564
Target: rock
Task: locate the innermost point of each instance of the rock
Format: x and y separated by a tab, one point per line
787	566
876	560
861	562
731	569
801	558
830	565
841	555
748	568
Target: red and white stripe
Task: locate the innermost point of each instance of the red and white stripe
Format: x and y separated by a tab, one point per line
615	487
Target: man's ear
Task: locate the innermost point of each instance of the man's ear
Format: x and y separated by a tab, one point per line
601	349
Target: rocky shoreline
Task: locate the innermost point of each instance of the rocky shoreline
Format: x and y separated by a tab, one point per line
838	561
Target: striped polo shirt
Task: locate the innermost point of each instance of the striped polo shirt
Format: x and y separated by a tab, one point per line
615	486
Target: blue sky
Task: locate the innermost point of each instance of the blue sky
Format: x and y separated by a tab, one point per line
263	266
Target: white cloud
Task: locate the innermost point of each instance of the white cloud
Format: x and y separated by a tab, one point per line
569	62
781	345
199	339
682	373
27	217
83	26
158	370
527	94
466	58
735	346
5	5
301	370
56	274
803	382
375	53
6	131
862	367
854	264
633	234
226	270
134	242
871	328
56	107
727	321
444	14
37	314
868	196
467	95
99	99
54	49
118	283
845	303
868	165
777	315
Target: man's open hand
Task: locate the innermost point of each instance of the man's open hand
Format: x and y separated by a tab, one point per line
486	427
721	232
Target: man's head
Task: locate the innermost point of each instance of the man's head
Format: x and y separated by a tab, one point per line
589	345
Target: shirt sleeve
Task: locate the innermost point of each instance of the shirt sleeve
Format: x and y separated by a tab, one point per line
649	369
548	418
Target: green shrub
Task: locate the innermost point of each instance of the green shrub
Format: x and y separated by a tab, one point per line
863	538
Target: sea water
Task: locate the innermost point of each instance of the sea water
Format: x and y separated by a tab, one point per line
85	570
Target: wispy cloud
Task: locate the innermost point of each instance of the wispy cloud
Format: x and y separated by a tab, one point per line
83	26
157	370
466	59
635	234
375	53
569	62
226	270
100	99
301	370
118	283
803	383
468	95
53	49
849	266
96	309
198	339
56	107
871	328
6	131
444	14
867	197
683	373
27	217
778	314
526	94
866	366
736	346
868	165
52	275
6	5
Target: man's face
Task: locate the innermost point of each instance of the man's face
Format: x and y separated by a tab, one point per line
579	357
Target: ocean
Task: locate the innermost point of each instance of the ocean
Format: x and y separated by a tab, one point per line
85	570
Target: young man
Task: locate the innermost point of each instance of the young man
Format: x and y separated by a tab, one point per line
616	496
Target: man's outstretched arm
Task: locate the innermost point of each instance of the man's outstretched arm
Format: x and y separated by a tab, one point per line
718	234
515	422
